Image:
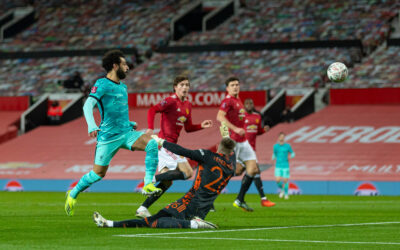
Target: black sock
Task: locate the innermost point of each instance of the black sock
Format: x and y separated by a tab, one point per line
246	182
259	185
153	198
131	223
171	175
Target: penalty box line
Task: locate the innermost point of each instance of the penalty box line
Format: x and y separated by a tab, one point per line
255	229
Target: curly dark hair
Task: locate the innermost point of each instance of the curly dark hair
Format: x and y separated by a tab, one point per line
111	57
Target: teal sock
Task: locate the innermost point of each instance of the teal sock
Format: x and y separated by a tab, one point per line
280	184
286	188
151	161
86	181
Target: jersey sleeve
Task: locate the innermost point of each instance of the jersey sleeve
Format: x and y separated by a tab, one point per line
260	129
225	105
97	91
274	153
197	155
189	126
88	112
158	108
292	154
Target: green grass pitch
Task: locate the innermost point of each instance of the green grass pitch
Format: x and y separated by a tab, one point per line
36	220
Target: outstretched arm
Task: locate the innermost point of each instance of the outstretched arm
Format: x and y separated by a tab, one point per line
197	155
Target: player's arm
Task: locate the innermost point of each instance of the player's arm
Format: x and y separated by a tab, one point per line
274	153
197	155
88	112
221	117
96	93
292	154
151	114
190	127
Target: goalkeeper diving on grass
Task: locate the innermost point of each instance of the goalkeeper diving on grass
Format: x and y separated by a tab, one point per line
213	174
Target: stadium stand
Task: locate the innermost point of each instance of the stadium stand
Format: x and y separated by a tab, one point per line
7	5
208	70
381	69
311	20
82	24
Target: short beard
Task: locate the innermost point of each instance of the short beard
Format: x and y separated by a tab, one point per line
121	74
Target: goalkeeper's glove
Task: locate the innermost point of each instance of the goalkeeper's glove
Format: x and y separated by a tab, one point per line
223	129
158	140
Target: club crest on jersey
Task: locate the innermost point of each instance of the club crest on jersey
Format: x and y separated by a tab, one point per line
257	120
94	89
187	111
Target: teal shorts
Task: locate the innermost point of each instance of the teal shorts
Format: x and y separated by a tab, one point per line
105	150
282	172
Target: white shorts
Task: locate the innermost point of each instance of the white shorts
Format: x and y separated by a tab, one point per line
167	159
244	152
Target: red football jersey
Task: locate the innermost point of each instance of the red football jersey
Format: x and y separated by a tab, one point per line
252	125
235	113
175	114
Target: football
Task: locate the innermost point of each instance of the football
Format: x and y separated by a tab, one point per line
337	72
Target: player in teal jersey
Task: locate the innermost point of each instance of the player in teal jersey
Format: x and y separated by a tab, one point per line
115	131
282	172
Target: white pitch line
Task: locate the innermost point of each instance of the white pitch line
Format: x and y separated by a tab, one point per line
257	229
275	240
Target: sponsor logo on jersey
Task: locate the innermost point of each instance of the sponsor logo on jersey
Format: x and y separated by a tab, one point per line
94	89
182	119
252	128
366	189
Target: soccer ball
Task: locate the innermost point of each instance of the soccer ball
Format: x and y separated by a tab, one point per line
337	72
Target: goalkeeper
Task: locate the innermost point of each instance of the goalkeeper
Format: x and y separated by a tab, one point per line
213	174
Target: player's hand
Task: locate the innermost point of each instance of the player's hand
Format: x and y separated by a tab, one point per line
149	131
223	129
239	131
266	128
93	134
158	140
133	124
206	124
